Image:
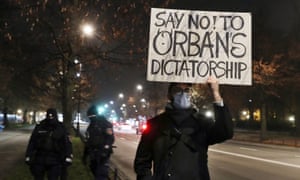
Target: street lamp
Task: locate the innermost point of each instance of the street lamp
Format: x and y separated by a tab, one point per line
78	75
121	95
139	87
88	29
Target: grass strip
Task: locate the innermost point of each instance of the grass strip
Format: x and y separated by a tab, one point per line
77	171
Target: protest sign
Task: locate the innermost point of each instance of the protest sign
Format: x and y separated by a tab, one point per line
189	46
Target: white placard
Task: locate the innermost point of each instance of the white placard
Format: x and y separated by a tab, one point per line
189	46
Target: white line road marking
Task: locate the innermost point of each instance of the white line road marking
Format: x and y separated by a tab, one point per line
250	149
256	158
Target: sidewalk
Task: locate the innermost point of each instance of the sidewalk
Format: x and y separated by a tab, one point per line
273	138
13	144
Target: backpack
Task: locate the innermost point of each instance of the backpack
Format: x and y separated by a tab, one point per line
95	136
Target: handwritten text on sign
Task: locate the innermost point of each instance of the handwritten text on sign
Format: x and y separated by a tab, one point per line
189	46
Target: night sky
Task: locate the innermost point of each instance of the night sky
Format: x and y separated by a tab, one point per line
280	17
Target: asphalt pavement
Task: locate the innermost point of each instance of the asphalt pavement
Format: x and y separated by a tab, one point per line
13	145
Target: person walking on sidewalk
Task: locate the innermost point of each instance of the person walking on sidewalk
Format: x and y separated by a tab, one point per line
175	144
98	145
49	149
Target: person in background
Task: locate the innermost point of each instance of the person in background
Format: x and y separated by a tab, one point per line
175	144
98	145
64	172
49	149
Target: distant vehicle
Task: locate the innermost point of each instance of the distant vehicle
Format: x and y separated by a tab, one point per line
80	121
124	126
11	118
1	128
142	126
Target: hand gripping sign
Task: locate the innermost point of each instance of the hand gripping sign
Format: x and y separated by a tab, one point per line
189	46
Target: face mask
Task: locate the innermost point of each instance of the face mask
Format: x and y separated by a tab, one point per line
182	100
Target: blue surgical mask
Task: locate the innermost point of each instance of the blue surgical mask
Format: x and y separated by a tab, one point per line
182	100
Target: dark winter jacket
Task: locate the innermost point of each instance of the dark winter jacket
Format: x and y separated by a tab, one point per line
49	143
176	142
99	138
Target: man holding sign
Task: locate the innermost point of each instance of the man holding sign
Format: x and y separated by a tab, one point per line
176	141
188	47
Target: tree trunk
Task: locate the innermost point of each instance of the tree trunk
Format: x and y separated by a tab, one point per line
67	112
25	119
66	100
5	119
297	122
263	130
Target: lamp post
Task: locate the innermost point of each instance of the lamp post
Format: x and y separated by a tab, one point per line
78	75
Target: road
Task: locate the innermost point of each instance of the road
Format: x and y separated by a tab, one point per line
245	161
124	154
232	160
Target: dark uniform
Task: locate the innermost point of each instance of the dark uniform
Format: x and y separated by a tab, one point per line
175	144
49	149
98	146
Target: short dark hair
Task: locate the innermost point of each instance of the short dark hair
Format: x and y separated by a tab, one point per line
173	84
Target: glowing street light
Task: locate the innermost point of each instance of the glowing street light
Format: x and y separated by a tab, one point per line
88	29
121	95
139	87
19	111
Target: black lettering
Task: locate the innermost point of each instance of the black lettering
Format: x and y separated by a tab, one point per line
192	21
193	45
180	38
161	21
166	68
235	70
213	67
184	67
221	66
179	19
204	22
204	68
242	67
234	24
206	43
198	69
225	22
162	39
238	50
223	42
171	20
155	66
229	69
193	63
